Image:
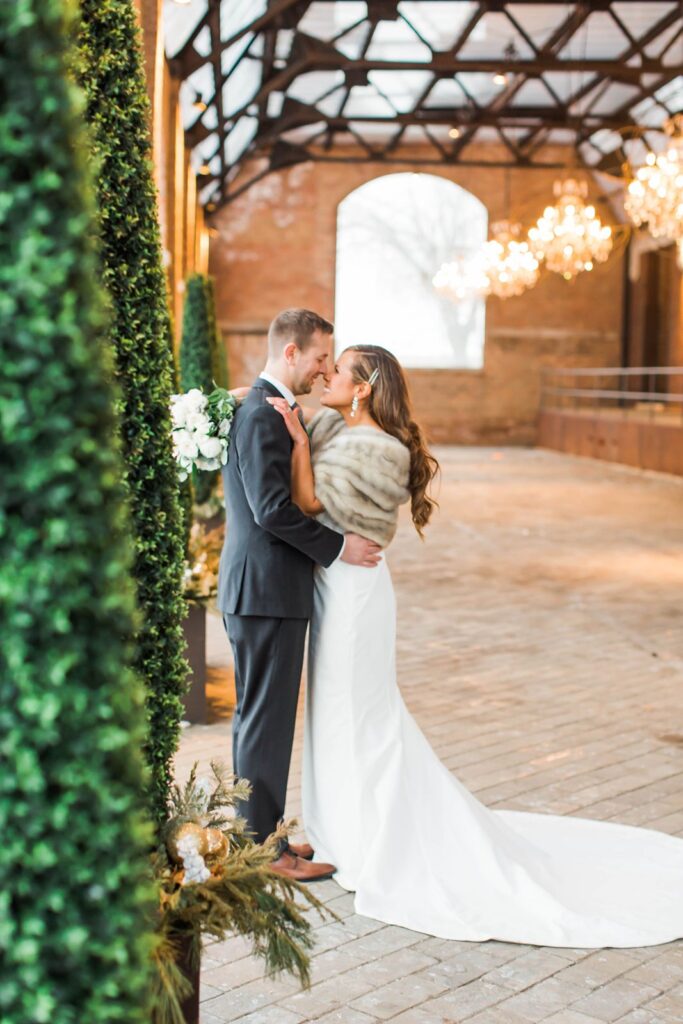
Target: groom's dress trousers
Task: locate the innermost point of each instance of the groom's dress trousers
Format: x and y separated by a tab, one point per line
265	591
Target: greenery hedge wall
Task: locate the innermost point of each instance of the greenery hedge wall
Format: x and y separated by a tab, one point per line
220	362
74	946
112	73
199	358
186	488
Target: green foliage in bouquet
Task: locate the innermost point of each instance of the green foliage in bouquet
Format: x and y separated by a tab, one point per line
199	359
215	881
74	854
111	71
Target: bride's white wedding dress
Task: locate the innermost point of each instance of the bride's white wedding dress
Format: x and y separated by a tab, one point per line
417	848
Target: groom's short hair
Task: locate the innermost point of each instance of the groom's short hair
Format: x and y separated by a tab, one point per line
297	325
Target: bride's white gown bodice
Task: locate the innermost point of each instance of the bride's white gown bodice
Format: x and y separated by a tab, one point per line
417	848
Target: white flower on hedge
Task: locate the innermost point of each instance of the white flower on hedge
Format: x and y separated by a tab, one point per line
185	444
210	447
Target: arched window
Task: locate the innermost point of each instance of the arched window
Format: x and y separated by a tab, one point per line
393	234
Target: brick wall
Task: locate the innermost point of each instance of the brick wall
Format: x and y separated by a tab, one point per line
276	248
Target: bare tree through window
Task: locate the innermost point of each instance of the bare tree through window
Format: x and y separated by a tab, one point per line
394	233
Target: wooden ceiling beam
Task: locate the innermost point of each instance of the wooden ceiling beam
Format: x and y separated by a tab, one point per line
310	54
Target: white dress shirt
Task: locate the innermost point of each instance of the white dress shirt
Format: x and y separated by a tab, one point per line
282	388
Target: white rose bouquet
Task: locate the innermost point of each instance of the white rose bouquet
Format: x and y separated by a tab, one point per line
201	429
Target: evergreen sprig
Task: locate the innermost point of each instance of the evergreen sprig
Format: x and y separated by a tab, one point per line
243	896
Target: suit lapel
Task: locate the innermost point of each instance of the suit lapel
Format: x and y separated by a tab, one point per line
265	385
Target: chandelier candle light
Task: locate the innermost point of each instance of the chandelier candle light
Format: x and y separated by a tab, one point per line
508	264
462	278
655	196
504	266
569	236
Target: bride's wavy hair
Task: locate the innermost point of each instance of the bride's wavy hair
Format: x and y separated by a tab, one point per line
390	406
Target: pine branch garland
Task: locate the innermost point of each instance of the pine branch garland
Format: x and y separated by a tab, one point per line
243	896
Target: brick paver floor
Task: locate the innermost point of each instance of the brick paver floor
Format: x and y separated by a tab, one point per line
541	651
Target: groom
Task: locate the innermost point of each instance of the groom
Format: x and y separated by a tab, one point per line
265	583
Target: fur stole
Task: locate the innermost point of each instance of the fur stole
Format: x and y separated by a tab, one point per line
361	476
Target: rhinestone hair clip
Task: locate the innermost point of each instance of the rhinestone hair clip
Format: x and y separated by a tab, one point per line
373	377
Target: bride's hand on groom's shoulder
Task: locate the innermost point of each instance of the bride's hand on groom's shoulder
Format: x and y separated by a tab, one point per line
361	551
291	418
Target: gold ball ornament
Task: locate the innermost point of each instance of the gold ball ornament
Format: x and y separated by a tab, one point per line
217	844
187	829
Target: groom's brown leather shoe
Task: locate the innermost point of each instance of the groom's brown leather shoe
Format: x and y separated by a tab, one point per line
305	851
301	870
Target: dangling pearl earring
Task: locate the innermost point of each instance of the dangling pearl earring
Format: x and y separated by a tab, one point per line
354	405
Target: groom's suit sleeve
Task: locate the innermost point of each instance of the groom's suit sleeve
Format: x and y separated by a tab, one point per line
264	450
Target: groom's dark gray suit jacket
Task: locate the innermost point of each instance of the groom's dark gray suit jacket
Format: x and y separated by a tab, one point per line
270	547
265	590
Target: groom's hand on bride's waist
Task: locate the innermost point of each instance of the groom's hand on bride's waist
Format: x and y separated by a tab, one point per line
360	551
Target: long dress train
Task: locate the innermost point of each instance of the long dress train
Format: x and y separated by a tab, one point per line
417	848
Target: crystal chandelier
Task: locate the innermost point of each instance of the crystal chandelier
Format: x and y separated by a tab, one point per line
569	236
655	196
504	266
462	278
508	264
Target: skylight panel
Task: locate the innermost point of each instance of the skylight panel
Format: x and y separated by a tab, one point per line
237	14
495	33
599	38
401	88
328	20
671	94
439	24
365	101
540	21
180	21
242	86
239	138
394	40
617	95
445	93
352	42
533	93
310	87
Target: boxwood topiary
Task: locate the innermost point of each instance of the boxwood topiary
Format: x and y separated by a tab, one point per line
74	935
198	361
112	72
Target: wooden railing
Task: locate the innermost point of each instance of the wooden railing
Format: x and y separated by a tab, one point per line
640	390
633	416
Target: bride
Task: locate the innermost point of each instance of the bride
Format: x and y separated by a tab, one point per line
416	847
